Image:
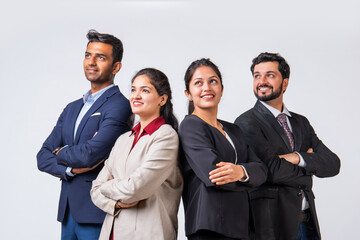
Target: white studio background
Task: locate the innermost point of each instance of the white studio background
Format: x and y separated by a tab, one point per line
42	48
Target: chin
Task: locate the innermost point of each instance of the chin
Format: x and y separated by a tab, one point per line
136	111
92	79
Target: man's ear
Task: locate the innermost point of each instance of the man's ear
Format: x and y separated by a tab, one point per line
285	84
116	67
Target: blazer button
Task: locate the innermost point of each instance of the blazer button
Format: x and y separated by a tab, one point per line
299	194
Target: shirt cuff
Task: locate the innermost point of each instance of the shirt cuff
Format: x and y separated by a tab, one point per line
247	175
59	149
302	162
69	173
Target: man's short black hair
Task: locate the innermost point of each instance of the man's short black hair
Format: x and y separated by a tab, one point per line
284	67
117	51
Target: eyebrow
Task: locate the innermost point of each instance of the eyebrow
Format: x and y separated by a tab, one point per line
142	87
200	78
265	72
98	54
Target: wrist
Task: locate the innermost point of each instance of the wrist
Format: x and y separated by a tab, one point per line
117	205
69	172
242	173
297	158
245	176
56	150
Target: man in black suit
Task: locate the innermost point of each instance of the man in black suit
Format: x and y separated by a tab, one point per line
283	208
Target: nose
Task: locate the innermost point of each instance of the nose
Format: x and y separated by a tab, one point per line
261	79
91	61
136	95
206	86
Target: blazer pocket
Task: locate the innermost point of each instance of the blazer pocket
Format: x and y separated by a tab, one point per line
95	114
263	193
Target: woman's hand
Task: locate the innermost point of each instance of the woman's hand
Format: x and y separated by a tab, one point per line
125	205
226	173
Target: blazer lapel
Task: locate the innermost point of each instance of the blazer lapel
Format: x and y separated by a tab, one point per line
267	118
126	154
296	133
233	139
98	103
70	124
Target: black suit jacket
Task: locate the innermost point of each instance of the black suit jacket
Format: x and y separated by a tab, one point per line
222	209
276	205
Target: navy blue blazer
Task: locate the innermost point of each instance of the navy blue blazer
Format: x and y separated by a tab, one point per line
103	123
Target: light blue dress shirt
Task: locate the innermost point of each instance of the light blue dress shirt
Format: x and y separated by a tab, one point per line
88	99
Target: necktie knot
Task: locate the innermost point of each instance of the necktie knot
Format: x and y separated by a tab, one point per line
282	118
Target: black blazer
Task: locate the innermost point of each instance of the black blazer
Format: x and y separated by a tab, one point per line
276	205
222	209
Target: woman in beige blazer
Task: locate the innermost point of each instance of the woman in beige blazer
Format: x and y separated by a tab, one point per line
140	184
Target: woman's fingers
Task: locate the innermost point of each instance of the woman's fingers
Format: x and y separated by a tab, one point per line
225	173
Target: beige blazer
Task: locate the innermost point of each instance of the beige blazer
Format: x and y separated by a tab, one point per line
150	173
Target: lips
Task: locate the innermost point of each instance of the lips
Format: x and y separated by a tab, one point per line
208	96
263	88
137	103
91	70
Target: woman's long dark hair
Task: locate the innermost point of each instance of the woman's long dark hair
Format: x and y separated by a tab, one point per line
190	72
161	83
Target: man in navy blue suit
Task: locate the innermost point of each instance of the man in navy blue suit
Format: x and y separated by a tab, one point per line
83	137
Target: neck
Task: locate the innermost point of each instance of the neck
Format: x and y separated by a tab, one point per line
276	103
208	115
98	86
144	121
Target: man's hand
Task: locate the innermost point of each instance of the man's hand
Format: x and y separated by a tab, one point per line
84	170
56	151
226	173
291	157
125	205
294	158
310	150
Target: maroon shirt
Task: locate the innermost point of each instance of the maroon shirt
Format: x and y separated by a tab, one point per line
149	129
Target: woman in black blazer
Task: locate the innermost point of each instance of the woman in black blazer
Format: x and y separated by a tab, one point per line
217	165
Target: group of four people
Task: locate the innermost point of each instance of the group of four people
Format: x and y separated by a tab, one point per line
248	180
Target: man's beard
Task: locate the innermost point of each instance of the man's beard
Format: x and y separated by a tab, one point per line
273	95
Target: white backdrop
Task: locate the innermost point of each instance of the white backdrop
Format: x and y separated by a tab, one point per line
42	48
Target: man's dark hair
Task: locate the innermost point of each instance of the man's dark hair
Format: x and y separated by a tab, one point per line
283	68
117	51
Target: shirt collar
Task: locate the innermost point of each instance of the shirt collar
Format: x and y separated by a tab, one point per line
150	128
88	97
276	112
